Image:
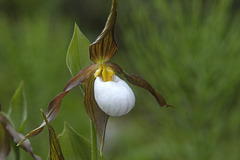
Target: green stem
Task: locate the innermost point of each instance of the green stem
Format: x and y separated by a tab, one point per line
93	142
16	151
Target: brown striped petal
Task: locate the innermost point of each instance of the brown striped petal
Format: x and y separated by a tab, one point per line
104	48
98	117
54	105
55	148
140	82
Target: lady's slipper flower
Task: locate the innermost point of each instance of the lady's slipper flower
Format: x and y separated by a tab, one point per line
115	97
105	93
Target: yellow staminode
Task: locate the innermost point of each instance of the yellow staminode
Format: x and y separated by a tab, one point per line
106	73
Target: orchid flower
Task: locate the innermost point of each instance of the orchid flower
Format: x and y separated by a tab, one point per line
105	93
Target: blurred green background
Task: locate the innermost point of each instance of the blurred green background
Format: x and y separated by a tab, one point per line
189	50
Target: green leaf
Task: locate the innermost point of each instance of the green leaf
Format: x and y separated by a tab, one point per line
17	112
78	52
55	149
74	146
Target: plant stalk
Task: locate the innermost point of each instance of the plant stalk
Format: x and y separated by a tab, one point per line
93	142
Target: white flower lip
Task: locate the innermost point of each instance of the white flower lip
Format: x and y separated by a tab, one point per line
115	97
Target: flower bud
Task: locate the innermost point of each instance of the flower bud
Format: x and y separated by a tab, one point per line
114	97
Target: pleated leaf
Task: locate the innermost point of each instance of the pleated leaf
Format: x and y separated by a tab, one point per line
98	117
78	52
55	148
54	105
17	112
75	146
105	46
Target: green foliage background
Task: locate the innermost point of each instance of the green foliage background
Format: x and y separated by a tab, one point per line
188	50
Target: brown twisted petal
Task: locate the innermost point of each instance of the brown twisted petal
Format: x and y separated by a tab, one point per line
55	148
105	46
5	147
54	105
140	82
16	138
98	117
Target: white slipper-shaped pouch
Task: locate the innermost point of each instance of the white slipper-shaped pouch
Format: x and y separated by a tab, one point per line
115	97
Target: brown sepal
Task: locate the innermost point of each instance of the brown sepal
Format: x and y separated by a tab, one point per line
98	117
105	46
54	105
